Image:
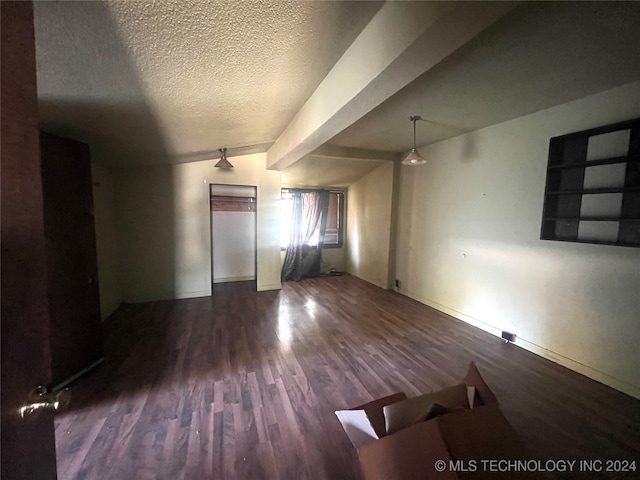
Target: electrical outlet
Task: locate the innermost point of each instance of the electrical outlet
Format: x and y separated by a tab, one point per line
508	336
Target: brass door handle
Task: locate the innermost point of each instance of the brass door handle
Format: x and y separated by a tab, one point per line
40	398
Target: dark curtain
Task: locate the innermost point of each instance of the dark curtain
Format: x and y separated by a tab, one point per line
316	255
309	212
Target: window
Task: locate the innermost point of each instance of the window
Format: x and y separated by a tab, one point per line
333	236
333	233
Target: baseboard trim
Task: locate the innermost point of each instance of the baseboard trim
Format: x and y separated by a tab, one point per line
233	279
72	378
555	357
585	370
202	293
368	280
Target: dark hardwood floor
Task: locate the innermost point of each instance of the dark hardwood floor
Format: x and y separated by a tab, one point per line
243	385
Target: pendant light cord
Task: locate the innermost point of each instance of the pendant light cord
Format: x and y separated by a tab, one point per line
414	132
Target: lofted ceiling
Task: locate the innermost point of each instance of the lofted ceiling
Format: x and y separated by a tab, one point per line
172	81
540	55
156	82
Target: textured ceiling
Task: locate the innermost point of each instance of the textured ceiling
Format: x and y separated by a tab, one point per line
170	80
149	82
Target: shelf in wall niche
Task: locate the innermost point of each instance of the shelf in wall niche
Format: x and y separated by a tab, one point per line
592	192
595	163
595	219
597	242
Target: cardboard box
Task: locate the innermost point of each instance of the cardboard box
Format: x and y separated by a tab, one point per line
458	439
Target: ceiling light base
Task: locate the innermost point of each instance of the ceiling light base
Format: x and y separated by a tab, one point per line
413	157
223	163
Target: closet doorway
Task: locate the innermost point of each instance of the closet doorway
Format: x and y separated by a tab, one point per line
233	233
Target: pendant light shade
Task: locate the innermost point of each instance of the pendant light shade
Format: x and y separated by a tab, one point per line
223	163
414	157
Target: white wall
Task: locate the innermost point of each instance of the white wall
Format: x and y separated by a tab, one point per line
165	226
234	251
106	239
368	239
468	244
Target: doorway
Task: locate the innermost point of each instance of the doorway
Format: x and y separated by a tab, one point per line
233	233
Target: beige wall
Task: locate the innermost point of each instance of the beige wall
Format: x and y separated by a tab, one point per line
468	244
144	207
369	203
164	222
106	239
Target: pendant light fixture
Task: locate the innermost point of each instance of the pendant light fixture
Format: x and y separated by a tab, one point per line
413	157
223	163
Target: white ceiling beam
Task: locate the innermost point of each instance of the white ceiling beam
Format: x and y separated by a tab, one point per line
403	40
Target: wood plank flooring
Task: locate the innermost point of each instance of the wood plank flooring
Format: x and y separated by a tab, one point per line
243	385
